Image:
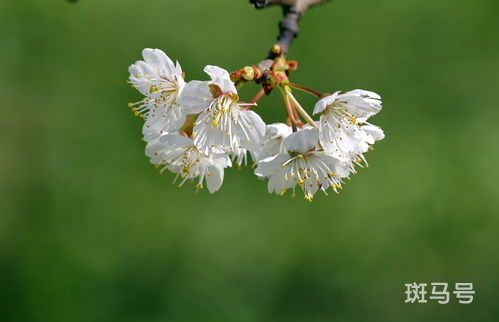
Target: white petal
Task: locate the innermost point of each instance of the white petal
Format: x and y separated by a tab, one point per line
360	104
140	76
272	143
221	160
252	129
152	148
273	168
341	138
280	129
221	78
178	69
272	165
176	141
195	97
214	178
302	141
365	94
375	131
157	77
159	60
341	169
163	119
323	103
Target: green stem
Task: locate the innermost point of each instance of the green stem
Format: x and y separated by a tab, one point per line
308	90
299	108
289	109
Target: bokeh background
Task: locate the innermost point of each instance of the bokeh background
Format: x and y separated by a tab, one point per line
89	231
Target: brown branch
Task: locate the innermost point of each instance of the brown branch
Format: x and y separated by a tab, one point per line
293	10
300	5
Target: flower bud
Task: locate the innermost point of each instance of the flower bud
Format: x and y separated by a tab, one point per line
248	73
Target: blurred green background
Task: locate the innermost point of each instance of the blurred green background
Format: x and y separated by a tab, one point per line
89	231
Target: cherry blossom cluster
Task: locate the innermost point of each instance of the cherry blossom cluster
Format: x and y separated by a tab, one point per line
197	129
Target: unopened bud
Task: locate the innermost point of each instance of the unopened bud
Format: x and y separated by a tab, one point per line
248	73
276	49
293	64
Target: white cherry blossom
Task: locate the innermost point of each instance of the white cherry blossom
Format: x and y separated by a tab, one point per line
161	82
357	104
344	131
198	129
179	155
304	164
223	124
272	143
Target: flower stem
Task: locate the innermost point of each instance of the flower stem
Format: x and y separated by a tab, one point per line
290	110
300	109
258	96
308	90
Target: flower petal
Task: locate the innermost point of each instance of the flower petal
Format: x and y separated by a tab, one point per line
140	76
251	129
302	141
195	97
175	141
279	129
214	178
163	119
221	78
325	102
360	103
159	60
374	131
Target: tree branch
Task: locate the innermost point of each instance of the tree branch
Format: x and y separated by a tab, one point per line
300	5
292	10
